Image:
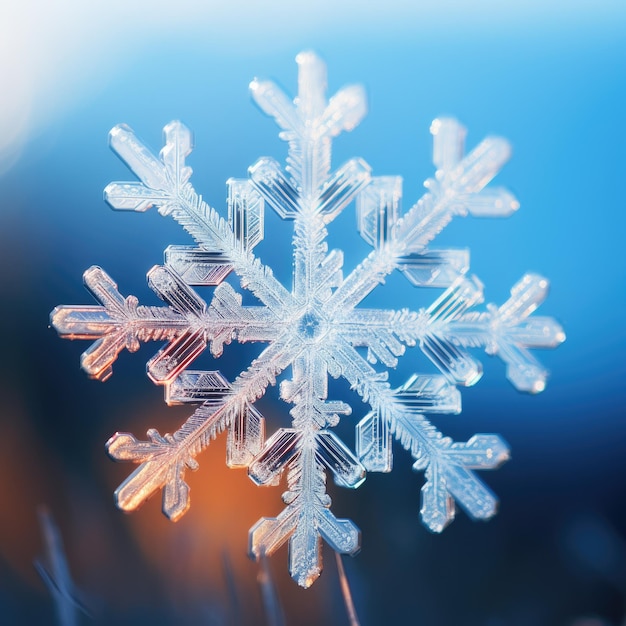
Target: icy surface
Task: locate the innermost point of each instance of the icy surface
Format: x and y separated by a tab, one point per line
314	328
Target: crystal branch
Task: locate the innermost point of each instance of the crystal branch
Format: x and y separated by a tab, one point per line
308	450
188	324
164	184
447	328
164	459
457	189
448	465
310	122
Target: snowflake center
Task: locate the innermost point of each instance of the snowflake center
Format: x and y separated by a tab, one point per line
312	326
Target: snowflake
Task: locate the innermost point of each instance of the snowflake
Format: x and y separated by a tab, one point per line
316	329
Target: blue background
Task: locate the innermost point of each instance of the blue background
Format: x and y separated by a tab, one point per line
555	86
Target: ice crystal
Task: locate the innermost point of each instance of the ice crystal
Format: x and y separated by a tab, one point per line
316	329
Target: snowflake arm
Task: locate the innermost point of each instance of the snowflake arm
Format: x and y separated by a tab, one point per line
188	324
457	189
509	331
164	459
309	123
446	329
308	192
308	451
448	465
304	521
164	183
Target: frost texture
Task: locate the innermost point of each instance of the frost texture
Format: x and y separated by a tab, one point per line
316	329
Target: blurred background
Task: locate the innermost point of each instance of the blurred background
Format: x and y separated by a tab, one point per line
549	76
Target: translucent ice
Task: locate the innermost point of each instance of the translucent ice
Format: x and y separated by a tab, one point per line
315	327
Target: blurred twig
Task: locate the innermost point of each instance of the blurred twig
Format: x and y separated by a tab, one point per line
55	572
231	586
345	591
273	610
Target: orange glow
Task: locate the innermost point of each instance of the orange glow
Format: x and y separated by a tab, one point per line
190	555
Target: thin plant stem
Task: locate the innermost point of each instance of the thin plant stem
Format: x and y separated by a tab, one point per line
345	592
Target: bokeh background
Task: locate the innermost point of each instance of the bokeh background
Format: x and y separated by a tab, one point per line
549	76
